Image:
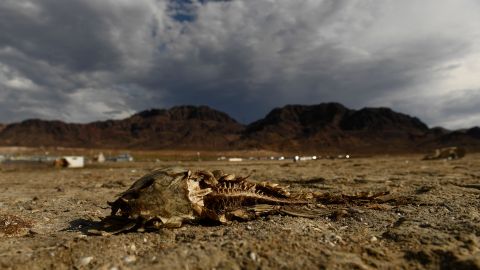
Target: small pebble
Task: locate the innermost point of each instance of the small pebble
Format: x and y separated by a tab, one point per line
129	259
253	256
33	231
373	239
85	261
80	236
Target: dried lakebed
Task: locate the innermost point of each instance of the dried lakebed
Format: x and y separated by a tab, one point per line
429	220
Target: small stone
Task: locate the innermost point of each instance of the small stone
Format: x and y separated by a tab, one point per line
129	259
133	247
84	261
33	231
373	239
80	236
253	256
249	227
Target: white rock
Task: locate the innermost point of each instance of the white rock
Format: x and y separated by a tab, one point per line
129	259
84	261
253	256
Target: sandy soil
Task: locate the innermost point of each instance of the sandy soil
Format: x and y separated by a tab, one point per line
430	220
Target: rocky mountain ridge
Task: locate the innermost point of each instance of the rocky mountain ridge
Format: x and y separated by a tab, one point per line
326	127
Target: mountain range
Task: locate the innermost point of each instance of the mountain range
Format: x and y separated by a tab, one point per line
326	127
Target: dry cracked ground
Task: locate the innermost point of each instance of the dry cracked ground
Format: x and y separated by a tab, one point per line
430	219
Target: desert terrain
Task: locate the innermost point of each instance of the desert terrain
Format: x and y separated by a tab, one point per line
429	220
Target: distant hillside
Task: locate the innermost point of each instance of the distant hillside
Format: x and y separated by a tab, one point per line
334	127
468	138
180	127
327	127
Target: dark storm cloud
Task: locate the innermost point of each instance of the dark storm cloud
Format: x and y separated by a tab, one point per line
455	109
72	34
84	60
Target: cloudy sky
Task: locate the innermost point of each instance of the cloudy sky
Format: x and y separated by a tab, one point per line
86	60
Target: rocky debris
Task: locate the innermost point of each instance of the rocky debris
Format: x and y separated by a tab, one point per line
446	153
